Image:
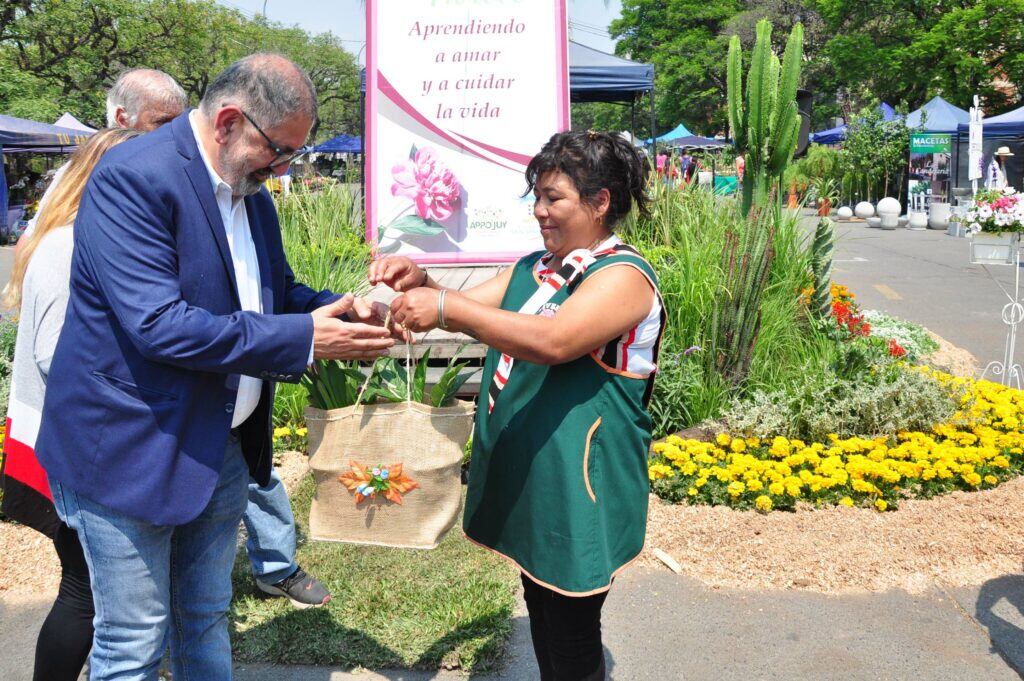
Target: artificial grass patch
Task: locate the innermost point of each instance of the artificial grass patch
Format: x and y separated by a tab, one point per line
390	608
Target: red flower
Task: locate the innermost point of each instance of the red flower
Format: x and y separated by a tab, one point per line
895	349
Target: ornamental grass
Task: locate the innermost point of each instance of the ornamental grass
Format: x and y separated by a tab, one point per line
981	446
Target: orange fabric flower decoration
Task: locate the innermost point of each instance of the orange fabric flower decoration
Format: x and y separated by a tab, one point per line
366	482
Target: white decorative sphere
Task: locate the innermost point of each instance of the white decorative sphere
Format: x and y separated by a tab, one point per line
888	206
864	210
844	213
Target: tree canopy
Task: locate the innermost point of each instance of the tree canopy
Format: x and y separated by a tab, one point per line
856	53
62	55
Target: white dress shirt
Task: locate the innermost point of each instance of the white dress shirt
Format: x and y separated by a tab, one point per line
247	270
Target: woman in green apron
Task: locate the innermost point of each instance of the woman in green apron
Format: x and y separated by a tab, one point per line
558	480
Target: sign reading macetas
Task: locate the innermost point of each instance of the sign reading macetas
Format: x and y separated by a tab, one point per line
930	143
460	95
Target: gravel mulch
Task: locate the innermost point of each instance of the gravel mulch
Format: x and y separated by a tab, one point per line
29	568
959	539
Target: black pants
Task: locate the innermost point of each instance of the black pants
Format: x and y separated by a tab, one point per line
66	637
566	633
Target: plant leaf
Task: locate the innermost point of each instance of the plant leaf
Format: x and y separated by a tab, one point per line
391	382
450	383
419	379
413	224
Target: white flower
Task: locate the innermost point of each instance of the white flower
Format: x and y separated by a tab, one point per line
975	227
984	212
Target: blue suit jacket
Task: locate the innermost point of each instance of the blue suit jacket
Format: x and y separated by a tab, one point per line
145	375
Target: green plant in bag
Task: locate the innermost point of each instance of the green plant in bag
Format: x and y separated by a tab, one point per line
334	384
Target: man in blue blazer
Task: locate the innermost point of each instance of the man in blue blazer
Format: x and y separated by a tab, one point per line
183	311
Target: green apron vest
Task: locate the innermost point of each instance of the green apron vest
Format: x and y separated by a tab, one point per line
558	478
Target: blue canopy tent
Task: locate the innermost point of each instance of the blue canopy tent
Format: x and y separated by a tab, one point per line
1005	130
938	115
695	142
1009	125
19	135
838	134
675	133
342	144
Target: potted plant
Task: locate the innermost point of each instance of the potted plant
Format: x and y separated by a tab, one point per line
994	220
827	192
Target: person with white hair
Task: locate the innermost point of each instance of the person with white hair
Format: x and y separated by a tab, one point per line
140	99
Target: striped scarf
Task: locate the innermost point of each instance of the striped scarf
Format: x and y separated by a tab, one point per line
573	267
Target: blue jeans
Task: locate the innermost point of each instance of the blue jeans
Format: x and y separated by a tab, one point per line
271	526
149	581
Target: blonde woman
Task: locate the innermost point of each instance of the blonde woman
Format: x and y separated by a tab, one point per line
39	286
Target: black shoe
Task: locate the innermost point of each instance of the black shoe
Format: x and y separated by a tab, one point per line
301	588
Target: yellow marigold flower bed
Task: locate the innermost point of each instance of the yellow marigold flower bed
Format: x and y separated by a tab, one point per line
982	446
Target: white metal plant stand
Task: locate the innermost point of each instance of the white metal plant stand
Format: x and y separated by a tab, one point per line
1008	372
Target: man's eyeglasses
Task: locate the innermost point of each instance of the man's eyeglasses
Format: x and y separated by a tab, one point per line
282	157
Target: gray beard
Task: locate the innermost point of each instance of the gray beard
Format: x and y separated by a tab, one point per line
242	184
245	186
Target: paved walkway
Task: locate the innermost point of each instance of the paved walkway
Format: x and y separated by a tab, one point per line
662	626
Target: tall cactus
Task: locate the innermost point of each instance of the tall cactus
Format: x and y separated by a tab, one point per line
765	125
821	268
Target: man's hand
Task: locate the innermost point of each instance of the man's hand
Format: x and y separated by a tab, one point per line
398	272
376	314
335	339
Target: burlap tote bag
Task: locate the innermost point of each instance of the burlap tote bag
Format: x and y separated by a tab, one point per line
387	474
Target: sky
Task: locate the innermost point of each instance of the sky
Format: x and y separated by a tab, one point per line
588	19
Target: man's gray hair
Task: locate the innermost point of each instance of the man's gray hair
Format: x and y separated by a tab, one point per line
269	87
134	89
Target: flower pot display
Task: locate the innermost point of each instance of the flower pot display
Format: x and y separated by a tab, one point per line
864	210
917	220
994	249
844	213
995	210
938	215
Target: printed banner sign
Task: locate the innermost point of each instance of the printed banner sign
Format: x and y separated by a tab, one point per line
460	96
931	143
930	155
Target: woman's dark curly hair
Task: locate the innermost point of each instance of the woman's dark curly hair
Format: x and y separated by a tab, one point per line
595	161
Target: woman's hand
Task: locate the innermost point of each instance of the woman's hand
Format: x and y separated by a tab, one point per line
416	310
398	272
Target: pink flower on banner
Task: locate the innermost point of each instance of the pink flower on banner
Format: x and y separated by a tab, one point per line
428	183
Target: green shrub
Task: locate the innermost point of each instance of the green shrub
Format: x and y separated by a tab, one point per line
683	239
911	337
323	236
878	402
